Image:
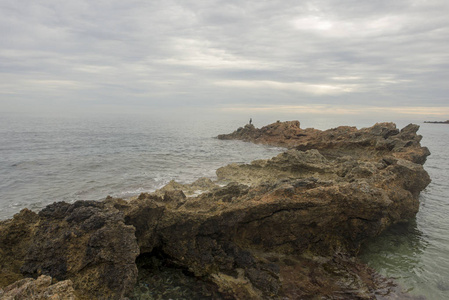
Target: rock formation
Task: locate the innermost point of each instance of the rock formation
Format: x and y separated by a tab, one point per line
284	228
85	242
381	139
41	288
437	122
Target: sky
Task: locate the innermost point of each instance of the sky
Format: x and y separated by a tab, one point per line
327	56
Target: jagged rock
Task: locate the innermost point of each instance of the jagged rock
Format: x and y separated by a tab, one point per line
39	289
284	228
15	239
85	242
279	133
191	189
287	165
376	140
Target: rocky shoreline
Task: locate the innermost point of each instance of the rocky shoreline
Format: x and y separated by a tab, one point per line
289	227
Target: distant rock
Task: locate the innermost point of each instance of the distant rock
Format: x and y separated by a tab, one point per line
278	134
380	139
437	122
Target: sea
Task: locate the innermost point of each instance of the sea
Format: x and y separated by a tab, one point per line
48	158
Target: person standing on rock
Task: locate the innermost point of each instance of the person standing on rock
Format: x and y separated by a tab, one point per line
250	121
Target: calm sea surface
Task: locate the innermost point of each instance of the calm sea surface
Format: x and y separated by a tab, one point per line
43	160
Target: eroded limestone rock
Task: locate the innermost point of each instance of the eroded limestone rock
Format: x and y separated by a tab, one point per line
85	242
284	228
39	289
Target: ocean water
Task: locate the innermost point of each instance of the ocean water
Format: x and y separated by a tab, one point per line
43	160
48	159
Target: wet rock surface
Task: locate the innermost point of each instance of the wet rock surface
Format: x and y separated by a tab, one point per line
284	228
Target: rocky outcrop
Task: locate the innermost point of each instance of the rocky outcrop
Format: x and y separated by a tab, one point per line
254	243
195	188
85	242
380	140
39	289
277	134
284	228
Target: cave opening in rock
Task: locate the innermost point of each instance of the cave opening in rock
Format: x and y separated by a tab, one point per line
161	278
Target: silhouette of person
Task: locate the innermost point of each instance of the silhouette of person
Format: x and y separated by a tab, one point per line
250	121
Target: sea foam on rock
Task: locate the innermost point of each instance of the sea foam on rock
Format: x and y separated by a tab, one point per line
283	228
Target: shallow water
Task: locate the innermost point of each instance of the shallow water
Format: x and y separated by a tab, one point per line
43	160
417	254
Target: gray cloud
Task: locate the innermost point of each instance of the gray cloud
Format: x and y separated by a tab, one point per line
224	53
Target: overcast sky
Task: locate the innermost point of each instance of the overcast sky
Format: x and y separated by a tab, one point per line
313	56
